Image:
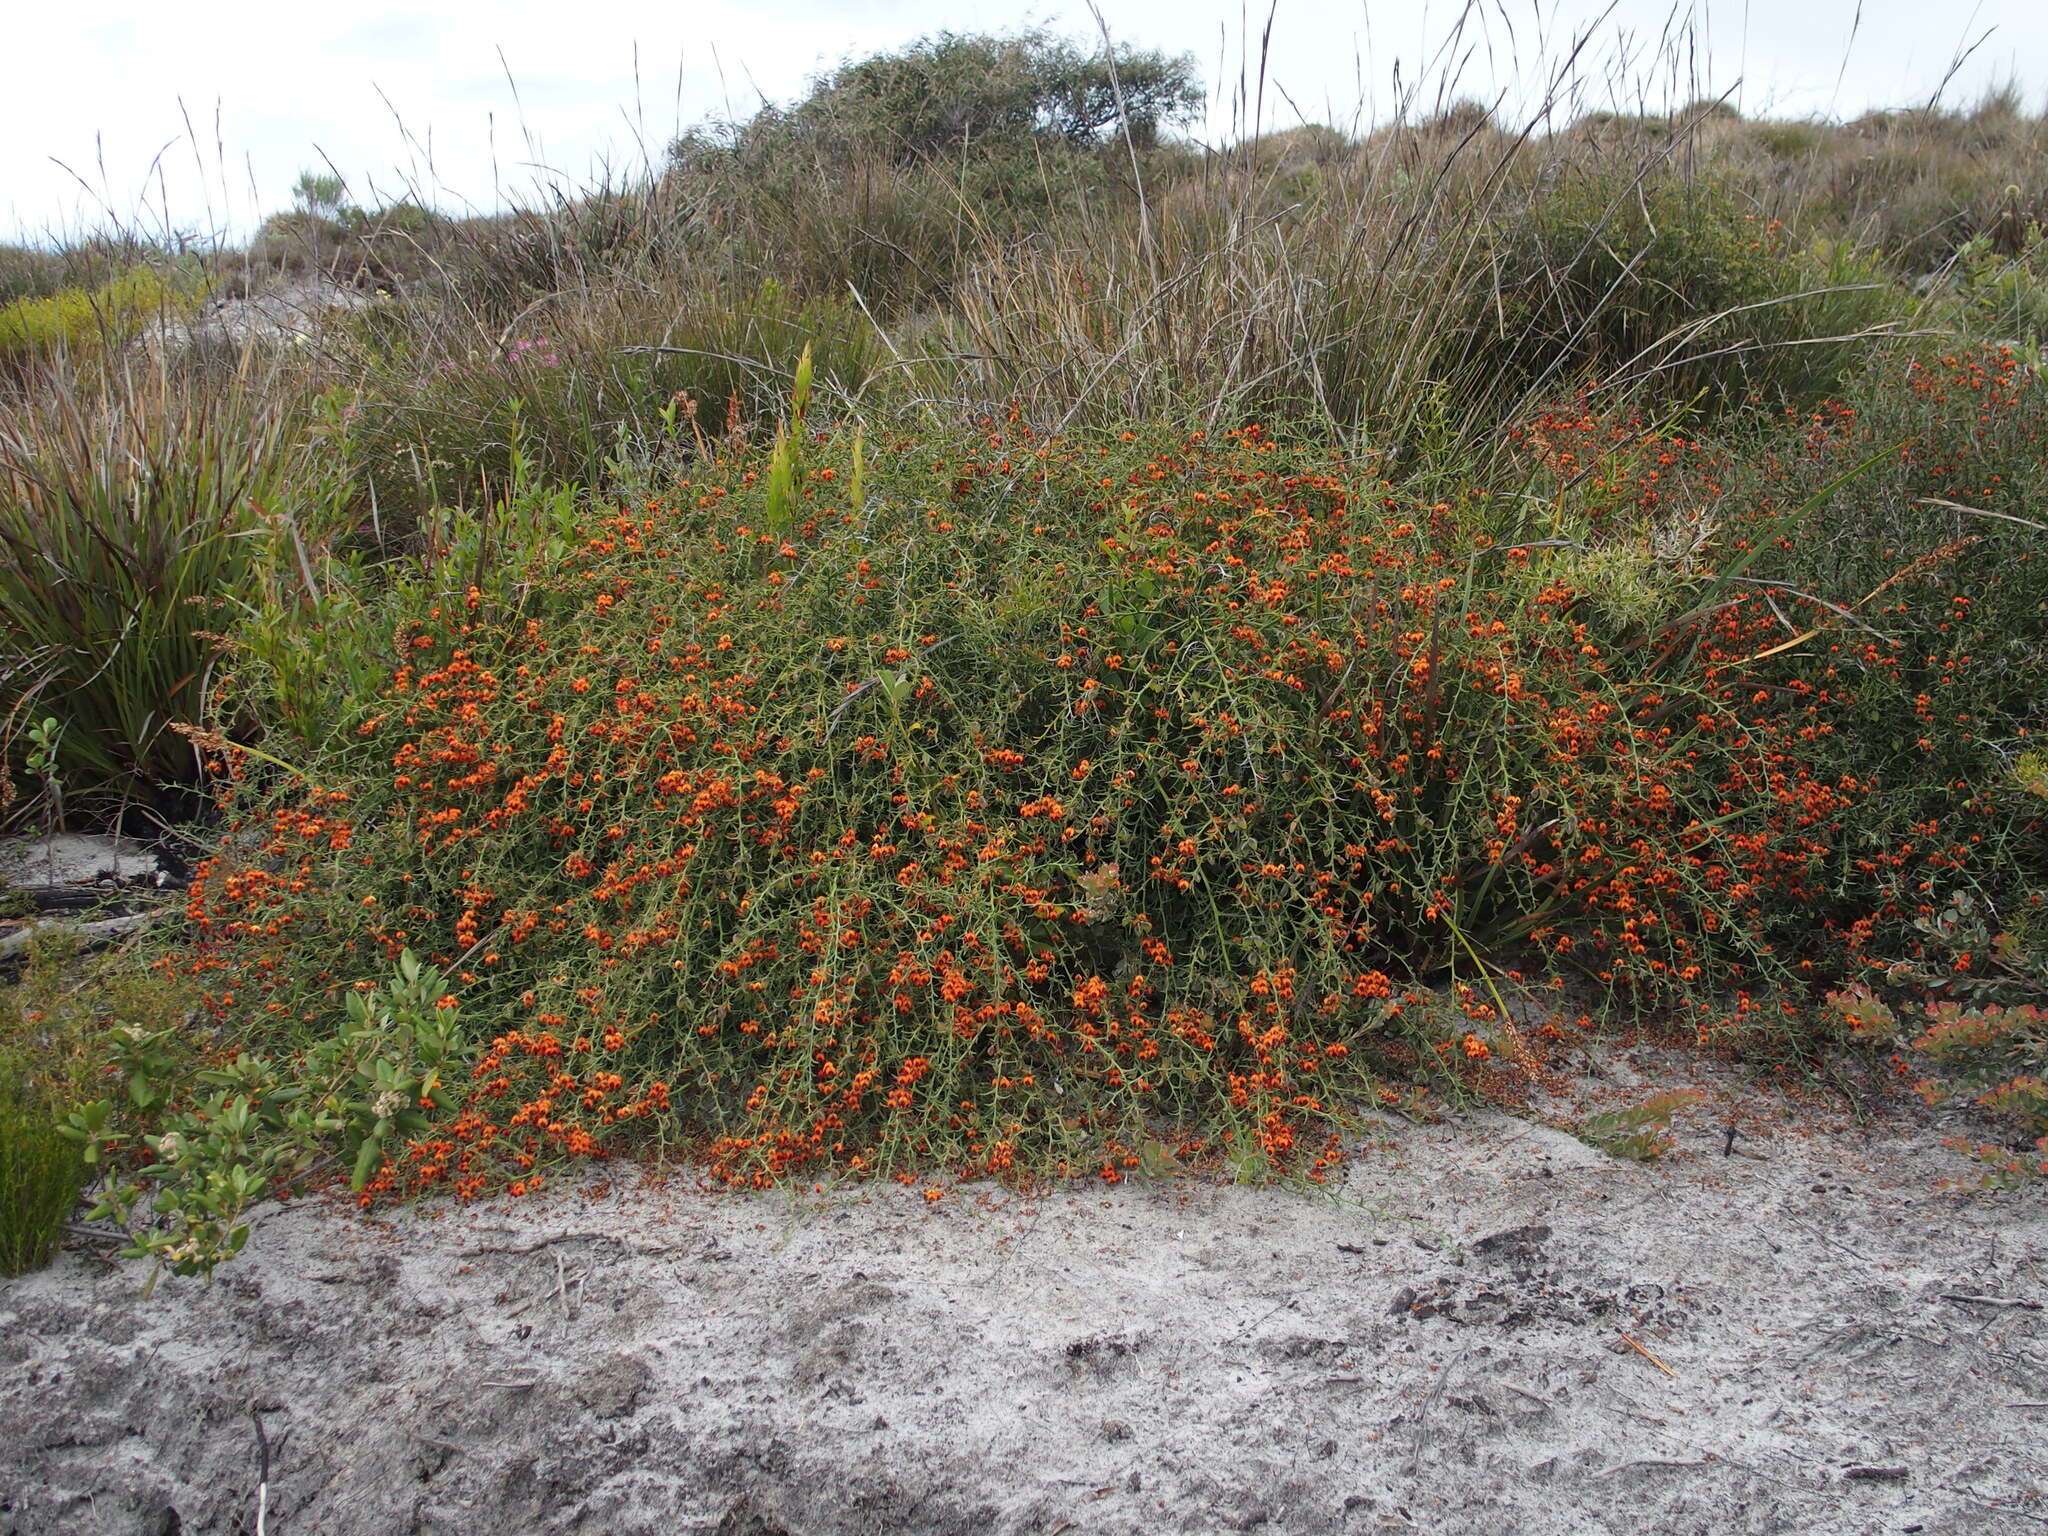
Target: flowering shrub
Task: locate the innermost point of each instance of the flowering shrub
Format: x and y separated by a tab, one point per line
1016	807
1995	1054
1987	1035
1928	682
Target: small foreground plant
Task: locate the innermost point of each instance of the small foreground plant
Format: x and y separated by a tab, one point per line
261	1122
1640	1132
40	1173
45	1054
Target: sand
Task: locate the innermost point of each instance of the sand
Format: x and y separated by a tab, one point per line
1441	1344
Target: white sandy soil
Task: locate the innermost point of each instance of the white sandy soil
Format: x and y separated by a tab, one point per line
1841	1345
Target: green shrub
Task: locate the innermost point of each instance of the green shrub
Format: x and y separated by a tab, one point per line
1936	681
223	1136
2003	296
898	170
1639	1133
99	318
987	92
609	378
1621	279
1789	140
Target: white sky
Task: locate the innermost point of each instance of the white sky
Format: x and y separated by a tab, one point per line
94	118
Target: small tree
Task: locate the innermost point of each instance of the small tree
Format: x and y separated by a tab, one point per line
955	93
319	194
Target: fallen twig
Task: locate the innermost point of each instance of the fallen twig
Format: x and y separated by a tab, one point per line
1632	1344
1422	1419
520	1249
1993	1301
95	1234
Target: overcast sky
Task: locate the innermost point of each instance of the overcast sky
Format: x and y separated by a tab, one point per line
209	113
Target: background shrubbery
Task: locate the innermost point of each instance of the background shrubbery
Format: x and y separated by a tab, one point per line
104	316
948	626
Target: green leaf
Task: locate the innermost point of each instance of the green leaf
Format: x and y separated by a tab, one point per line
800	396
366	1163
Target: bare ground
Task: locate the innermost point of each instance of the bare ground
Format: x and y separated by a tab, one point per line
1850	1346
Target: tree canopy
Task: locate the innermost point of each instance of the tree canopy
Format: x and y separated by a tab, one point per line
951	92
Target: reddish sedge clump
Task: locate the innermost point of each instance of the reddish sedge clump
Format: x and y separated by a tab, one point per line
1990	1053
1052	799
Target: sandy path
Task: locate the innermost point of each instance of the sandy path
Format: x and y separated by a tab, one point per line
1417	1354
